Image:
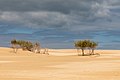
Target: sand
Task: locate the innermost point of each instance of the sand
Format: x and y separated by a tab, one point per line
61	64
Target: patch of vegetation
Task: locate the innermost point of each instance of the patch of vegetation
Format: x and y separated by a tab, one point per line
83	44
25	45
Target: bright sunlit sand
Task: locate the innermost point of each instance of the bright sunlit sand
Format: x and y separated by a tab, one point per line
60	64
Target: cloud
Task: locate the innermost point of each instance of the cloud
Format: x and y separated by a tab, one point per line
57	13
100	10
43	5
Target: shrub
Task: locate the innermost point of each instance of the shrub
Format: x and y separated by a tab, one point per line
25	45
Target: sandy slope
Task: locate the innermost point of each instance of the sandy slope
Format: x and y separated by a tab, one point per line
61	64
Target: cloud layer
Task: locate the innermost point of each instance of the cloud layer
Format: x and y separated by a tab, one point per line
58	13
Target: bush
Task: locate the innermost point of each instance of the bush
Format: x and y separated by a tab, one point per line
25	45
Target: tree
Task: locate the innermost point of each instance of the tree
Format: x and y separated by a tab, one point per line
93	45
14	45
83	44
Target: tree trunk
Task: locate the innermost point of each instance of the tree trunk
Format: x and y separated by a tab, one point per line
92	51
78	51
82	52
89	51
14	48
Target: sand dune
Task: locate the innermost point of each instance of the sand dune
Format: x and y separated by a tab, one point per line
61	64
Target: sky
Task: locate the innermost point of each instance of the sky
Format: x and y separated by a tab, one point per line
59	23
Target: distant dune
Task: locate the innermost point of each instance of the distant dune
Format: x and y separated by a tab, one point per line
60	64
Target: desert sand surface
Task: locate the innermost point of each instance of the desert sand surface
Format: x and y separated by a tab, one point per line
60	64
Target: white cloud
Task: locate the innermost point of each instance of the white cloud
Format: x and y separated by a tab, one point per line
101	9
9	16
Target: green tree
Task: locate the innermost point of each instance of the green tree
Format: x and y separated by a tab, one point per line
92	46
83	44
14	45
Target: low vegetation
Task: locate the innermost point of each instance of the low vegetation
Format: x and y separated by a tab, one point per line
25	45
35	47
86	44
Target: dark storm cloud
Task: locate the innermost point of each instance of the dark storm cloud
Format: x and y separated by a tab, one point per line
57	13
64	6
